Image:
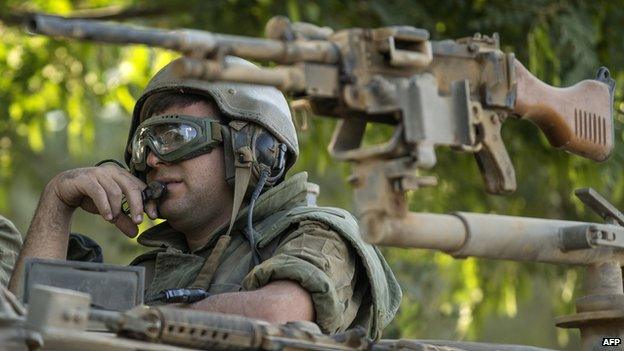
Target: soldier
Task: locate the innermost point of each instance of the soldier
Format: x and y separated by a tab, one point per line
217	146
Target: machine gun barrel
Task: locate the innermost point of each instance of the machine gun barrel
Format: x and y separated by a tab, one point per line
188	41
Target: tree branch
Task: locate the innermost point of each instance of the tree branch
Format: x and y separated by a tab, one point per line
121	13
13	17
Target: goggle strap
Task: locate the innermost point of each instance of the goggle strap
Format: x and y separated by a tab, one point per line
215	131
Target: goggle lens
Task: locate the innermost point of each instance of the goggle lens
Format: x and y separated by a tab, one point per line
163	138
173	138
170	137
139	146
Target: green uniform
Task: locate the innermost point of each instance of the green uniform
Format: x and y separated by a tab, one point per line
10	245
318	247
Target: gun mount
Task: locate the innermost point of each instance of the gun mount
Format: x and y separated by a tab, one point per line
446	93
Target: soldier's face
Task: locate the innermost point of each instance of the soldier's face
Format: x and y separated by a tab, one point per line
196	189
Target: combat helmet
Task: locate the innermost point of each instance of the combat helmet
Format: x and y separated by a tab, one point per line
262	105
246	107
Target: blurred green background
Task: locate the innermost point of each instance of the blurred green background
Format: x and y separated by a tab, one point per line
66	104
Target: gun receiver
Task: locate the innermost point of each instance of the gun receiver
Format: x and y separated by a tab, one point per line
450	93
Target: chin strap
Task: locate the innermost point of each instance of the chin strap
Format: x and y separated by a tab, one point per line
243	157
243	161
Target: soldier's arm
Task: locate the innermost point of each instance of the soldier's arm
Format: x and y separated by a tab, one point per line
46	237
311	276
10	245
321	262
96	190
277	302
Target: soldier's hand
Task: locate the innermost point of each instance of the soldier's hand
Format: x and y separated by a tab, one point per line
100	190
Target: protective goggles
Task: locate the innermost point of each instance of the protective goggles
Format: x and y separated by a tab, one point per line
173	138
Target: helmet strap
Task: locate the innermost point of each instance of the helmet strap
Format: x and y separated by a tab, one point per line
243	160
242	163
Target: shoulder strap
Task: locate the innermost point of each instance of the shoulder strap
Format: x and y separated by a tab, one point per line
207	271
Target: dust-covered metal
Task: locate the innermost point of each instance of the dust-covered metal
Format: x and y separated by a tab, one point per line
600	313
193	42
57	319
393	75
600	205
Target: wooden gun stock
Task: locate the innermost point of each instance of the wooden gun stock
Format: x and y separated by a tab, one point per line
578	118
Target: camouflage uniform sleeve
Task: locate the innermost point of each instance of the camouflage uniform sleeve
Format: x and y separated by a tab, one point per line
10	245
322	263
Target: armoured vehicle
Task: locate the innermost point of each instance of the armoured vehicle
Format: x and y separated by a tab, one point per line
453	93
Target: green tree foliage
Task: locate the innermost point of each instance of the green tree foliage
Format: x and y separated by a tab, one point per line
67	104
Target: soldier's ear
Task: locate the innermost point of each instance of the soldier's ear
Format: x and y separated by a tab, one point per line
264	150
270	154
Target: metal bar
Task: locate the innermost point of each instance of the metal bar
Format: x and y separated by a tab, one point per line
592	199
485	236
283	78
526	239
116	33
421	230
